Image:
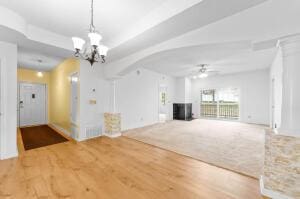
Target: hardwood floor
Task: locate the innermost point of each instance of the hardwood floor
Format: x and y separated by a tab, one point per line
117	168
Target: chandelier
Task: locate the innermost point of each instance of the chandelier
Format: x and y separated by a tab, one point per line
95	52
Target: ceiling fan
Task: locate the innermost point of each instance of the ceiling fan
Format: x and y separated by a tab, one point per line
203	71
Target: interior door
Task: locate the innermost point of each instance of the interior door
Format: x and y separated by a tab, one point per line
32	104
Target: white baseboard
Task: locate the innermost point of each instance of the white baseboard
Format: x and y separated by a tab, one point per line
270	193
80	139
9	155
64	131
112	136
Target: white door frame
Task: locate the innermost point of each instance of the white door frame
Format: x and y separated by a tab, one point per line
273	103
46	99
168	116
2	102
71	94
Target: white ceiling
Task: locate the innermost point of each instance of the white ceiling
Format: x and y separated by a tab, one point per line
261	25
72	17
29	59
225	58
192	18
138	29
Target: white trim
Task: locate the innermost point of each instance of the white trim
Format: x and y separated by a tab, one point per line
112	136
80	139
270	193
168	114
8	56
114	97
64	131
9	155
2	108
4	154
72	74
288	132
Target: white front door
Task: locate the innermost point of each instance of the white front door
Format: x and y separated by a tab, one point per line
32	104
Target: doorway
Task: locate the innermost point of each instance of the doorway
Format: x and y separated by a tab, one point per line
74	98
32	104
163	104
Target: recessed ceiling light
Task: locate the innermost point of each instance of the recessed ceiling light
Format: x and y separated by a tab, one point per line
40	74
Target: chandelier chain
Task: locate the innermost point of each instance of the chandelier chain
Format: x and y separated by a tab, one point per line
92	27
96	52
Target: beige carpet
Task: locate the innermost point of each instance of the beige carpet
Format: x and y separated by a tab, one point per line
231	145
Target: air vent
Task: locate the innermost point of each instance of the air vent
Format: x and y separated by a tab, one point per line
94	131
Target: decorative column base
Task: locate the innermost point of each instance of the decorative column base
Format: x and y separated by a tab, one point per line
112	123
281	167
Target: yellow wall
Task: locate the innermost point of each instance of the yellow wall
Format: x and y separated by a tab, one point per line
30	76
27	75
60	90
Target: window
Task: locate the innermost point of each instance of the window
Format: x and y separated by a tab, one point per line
221	103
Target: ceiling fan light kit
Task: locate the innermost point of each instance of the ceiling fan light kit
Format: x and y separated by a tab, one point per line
203	75
202	72
95	52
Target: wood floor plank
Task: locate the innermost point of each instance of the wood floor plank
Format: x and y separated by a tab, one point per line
171	174
166	184
117	168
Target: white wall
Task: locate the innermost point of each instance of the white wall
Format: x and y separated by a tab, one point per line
183	90
180	90
137	97
91	115
8	139
254	93
276	96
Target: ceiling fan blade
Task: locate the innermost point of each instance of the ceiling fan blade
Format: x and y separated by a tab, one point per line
213	72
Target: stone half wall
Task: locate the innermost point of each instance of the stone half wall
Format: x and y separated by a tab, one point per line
282	165
112	123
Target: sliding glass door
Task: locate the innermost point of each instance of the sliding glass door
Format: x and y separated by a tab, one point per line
209	103
220	103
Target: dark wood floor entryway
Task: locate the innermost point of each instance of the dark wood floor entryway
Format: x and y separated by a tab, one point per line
39	136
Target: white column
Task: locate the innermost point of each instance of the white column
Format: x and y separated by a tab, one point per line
8	101
290	113
112	96
112	119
